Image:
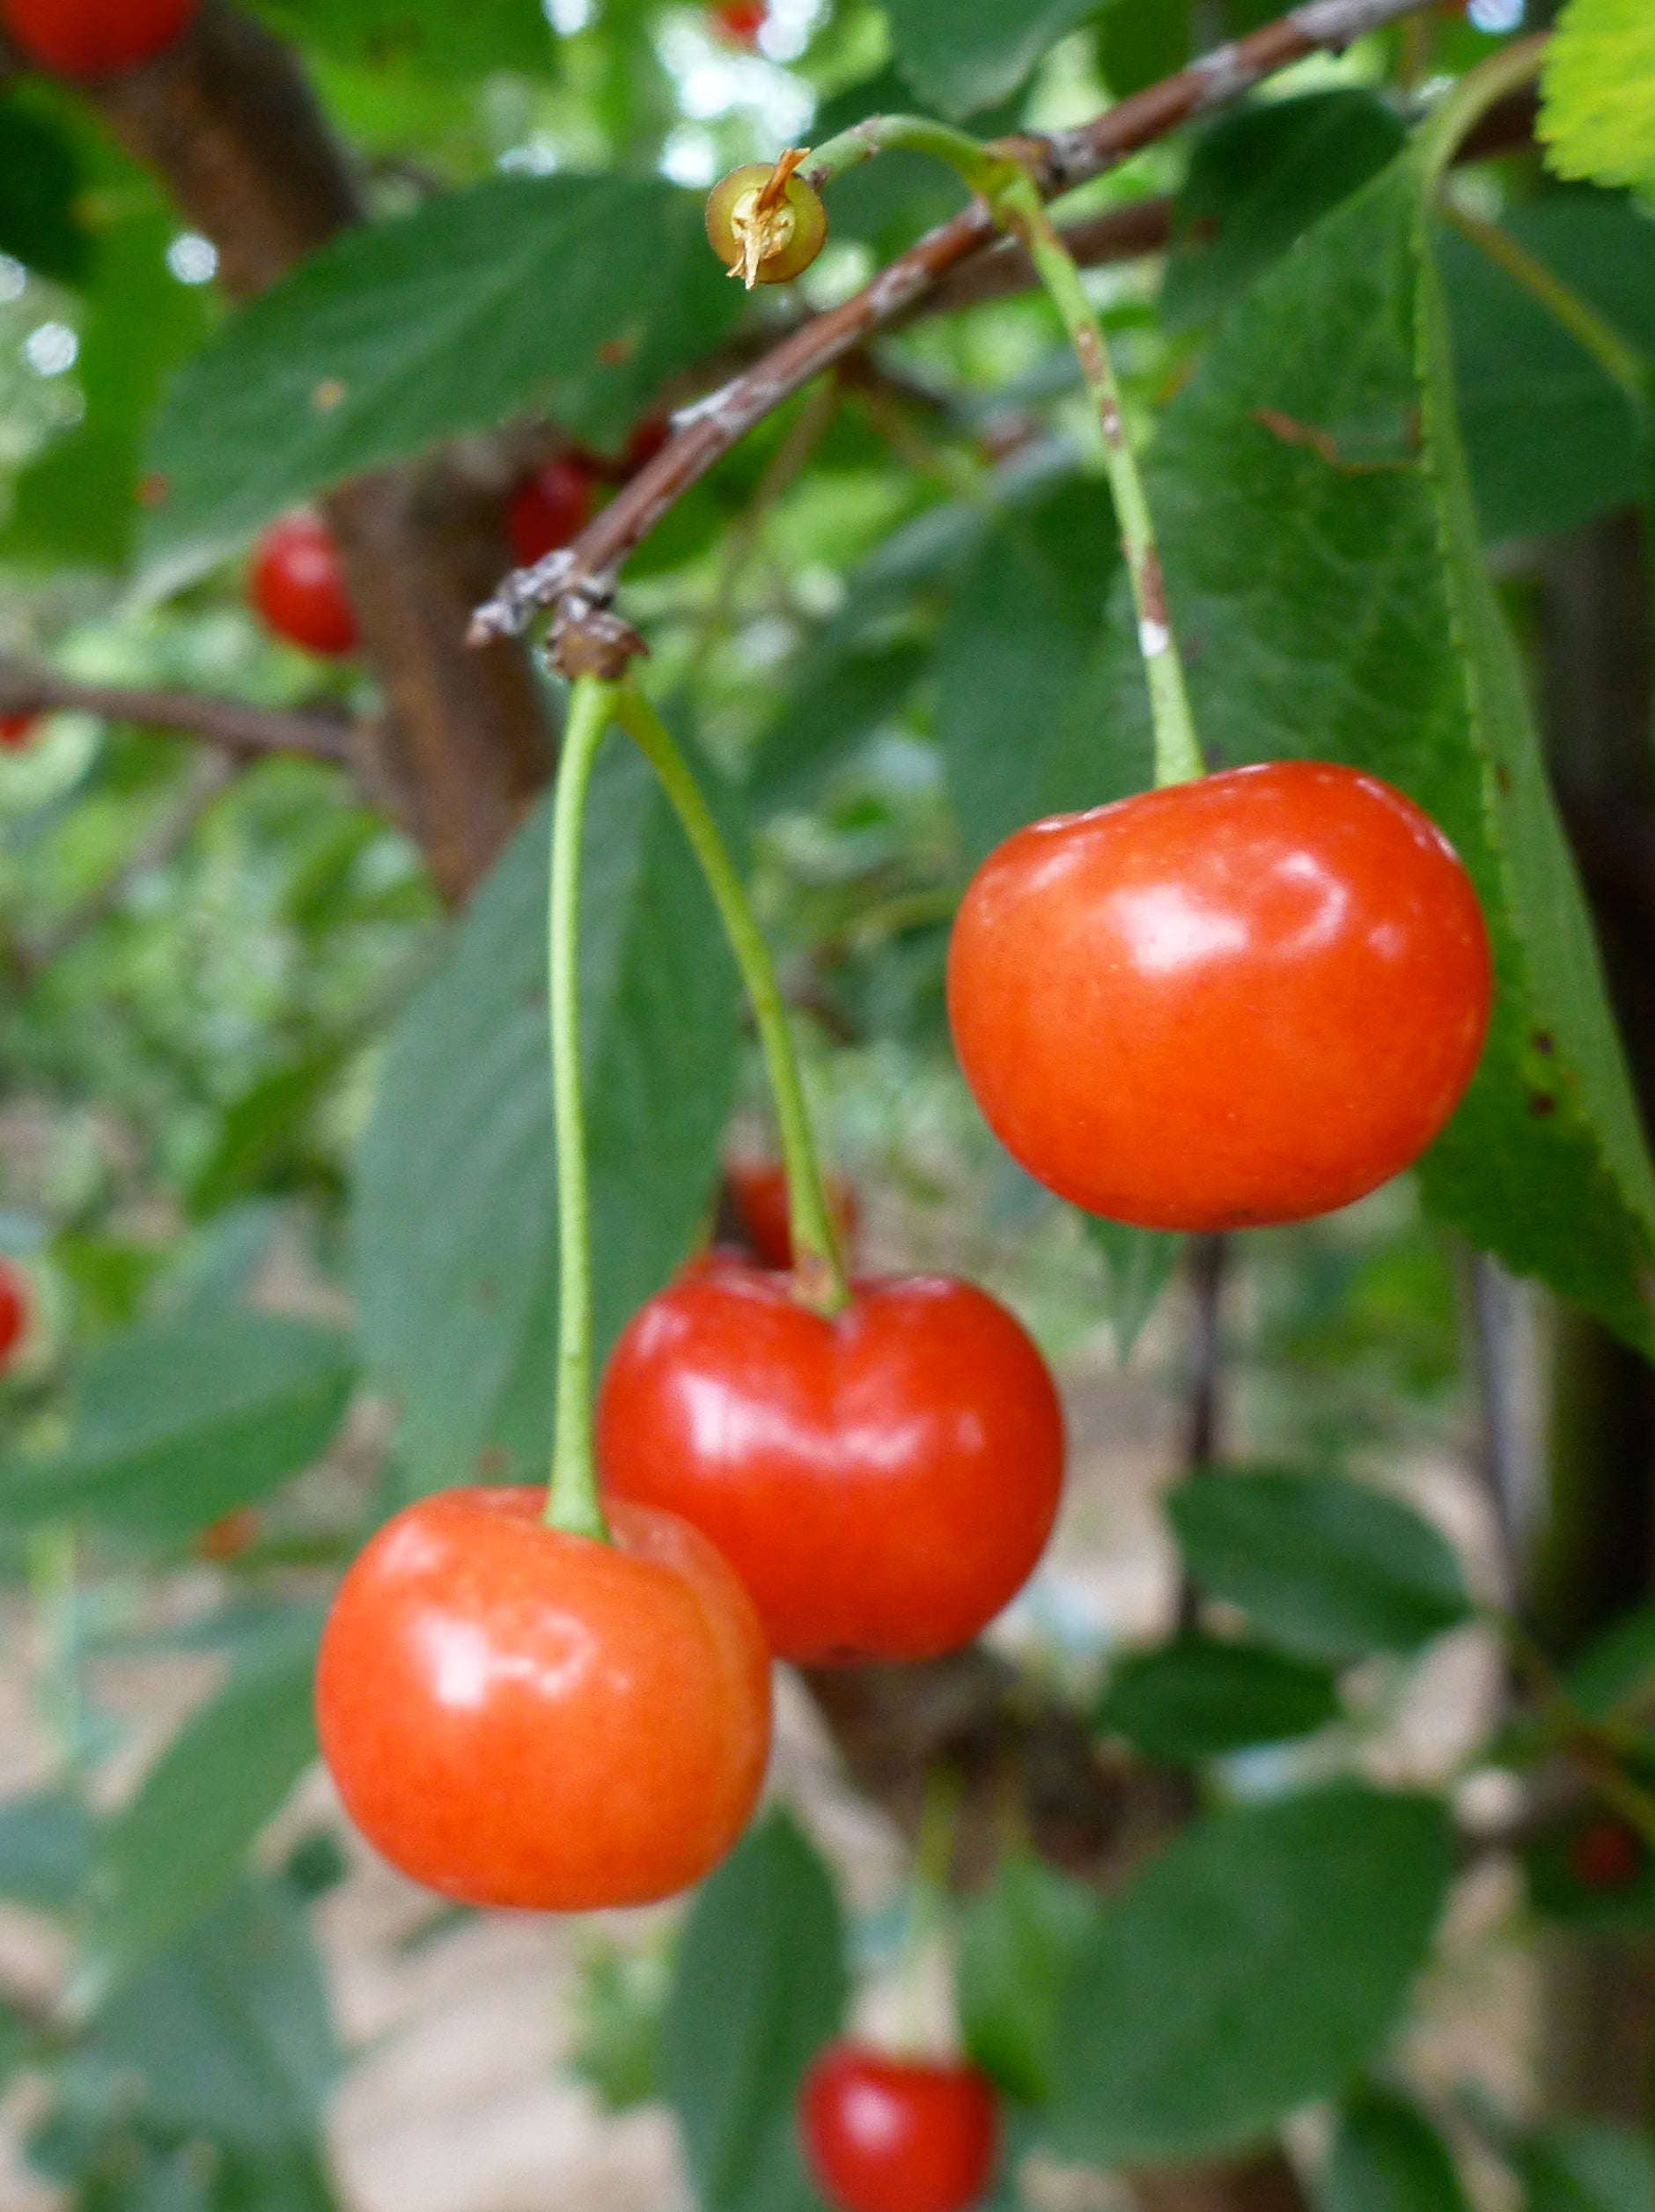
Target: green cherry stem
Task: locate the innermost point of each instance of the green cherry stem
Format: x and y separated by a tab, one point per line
982	170
819	1271
573	1504
1178	759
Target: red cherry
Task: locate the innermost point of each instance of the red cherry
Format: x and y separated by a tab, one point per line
883	1482
885	2134
647	439
229	1536
14	1312
299	586
758	1188
1605	1856
550	509
1246	1000
514	1716
17	731
95	38
739	22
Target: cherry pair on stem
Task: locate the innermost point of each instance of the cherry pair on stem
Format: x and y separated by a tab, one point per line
572	1710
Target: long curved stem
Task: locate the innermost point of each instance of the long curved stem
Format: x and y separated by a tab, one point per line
1178	758
573	1503
818	1267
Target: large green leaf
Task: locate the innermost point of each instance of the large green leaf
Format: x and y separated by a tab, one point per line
1387	2156
1586	2166
577	296
40	182
1197	1698
1326	571
432	36
1250	1969
455	1196
759	1988
46	1848
1598	92
1325	1567
177	1422
963	56
1551	441
175	1848
1018	1939
1021	683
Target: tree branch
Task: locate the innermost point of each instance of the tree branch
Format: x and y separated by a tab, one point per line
578	583
250	733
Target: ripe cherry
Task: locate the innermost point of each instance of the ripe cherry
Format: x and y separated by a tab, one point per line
763	234
14	1312
553	507
299	586
1242	1001
17	731
95	38
758	1190
1606	1854
739	22
888	2135
515	1716
883	1481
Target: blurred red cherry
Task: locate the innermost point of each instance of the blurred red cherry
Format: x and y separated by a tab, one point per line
299	586
648	438
14	1312
888	2134
551	509
95	38
1607	1854
17	731
739	22
758	1190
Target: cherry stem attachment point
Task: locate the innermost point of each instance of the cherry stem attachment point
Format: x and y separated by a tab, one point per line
819	1270
1018	207
573	1504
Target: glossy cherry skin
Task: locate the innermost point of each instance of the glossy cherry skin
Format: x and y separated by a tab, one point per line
299	586
883	1482
14	1314
888	2135
17	731
95	38
550	509
758	1190
1243	1000
518	1717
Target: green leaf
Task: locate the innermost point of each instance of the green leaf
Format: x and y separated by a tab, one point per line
410	331
1016	1941
620	2009
431	36
45	1847
1198	1698
1329	1567
1387	2156
1140	1263
39	183
1586	2166
1618	1907
176	1422
455	1192
1550	440
1258	180
1616	1670
1597	117
1251	1969
175	1848
1140	42
1325	569
759	1988
1021	671
229	2033
963	56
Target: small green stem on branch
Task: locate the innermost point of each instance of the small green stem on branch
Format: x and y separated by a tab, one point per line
982	171
1178	757
1463	108
573	1504
818	1269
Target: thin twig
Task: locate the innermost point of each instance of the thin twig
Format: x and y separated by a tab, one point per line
577	582
246	731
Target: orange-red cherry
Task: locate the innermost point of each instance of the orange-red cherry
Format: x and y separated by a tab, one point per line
739	22
515	1716
95	38
17	731
1245	1000
14	1313
299	586
551	509
888	2134
759	1190
884	1481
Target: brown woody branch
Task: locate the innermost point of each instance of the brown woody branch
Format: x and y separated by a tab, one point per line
578	583
249	733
